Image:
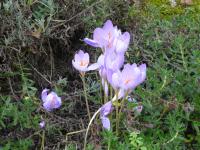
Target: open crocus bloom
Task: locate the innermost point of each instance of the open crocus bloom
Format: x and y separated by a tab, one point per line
126	80
109	38
132	76
105	110
102	37
50	101
81	62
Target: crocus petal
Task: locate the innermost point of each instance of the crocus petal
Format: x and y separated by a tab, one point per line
93	66
106	109
100	60
109	74
106	122
114	61
120	95
91	42
79	54
58	101
102	72
122	42
77	66
44	94
143	68
130	77
100	37
116	79
52	101
105	86
108	25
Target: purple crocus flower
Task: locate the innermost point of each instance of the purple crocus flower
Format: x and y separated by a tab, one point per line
127	79
113	60
50	101
81	62
132	76
109	38
105	110
122	42
102	37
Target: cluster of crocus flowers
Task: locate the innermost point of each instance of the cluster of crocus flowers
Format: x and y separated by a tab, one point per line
122	78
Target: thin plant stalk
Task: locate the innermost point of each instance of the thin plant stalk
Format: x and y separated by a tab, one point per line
90	123
117	114
111	92
43	136
122	105
85	94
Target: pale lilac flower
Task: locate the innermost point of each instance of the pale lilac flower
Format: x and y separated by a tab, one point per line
102	37
122	42
127	79
109	38
106	110
115	80
106	122
114	61
132	76
81	62
50	101
42	124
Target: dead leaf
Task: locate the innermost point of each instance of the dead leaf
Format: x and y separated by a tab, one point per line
36	34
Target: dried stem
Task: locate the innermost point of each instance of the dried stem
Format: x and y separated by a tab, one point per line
85	94
86	134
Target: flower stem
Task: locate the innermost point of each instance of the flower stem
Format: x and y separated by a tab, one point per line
85	94
43	136
111	92
117	114
86	134
105	95
120	110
